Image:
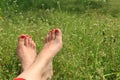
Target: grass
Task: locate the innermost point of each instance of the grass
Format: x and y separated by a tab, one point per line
90	43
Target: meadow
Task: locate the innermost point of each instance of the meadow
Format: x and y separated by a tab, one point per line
91	37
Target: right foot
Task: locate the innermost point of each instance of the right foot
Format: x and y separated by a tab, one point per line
47	72
53	44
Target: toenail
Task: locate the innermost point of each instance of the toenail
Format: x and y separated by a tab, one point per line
56	31
22	36
53	30
28	36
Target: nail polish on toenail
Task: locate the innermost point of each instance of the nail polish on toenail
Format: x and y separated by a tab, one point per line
56	31
28	36
22	36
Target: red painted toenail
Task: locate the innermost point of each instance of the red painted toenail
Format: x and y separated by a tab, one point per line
56	31
22	36
28	36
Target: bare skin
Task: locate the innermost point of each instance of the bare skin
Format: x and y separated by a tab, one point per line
53	44
26	51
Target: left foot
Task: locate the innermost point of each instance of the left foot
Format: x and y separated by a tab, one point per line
26	51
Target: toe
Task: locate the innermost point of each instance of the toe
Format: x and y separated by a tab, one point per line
46	39
58	34
53	34
30	42
27	41
33	44
50	36
21	40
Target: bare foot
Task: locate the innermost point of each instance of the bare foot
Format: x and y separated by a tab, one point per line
27	46
26	51
53	44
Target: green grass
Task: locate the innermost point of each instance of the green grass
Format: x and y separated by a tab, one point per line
90	43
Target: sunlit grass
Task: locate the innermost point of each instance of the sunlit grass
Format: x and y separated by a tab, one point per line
91	37
90	50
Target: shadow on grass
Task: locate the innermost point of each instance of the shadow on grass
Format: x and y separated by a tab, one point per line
72	6
65	5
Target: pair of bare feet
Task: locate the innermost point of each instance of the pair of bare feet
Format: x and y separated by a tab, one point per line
38	67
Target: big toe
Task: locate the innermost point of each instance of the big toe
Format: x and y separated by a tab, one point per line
58	34
21	40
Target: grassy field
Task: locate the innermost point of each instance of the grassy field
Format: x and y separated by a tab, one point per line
91	42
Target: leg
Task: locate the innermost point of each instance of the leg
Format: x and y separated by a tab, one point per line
26	51
53	44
